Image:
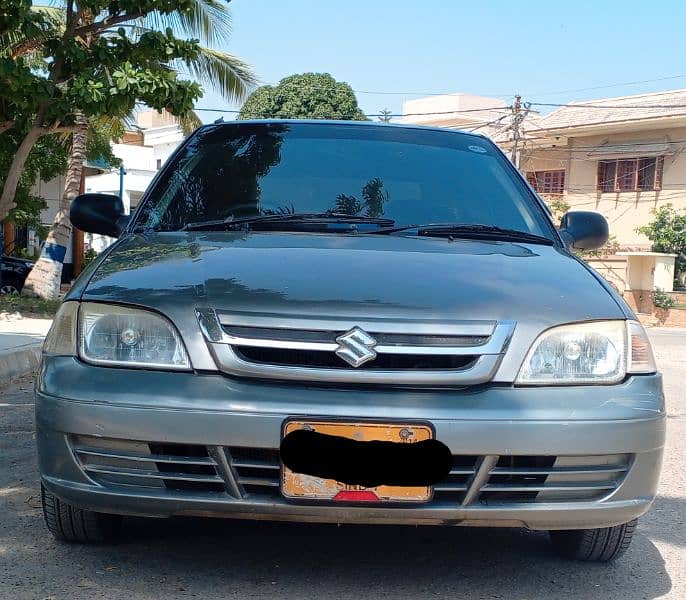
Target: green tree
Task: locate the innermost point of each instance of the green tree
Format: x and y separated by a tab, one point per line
667	232
48	159
100	59
305	96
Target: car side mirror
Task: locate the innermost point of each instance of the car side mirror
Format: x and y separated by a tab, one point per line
584	230
99	213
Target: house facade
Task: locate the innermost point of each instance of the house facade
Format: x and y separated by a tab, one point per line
622	157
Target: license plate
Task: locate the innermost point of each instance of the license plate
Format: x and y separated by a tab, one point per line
308	487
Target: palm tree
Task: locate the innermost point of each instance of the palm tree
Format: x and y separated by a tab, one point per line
45	277
209	21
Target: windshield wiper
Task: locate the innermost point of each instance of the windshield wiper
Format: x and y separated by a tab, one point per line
467	230
251	222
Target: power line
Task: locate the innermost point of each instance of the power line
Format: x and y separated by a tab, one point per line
449	93
590	104
392	115
611	85
487	124
488	109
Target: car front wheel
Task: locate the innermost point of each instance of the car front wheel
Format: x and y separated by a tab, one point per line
75	525
594	545
10	285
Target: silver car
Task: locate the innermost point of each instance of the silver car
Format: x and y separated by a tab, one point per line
347	323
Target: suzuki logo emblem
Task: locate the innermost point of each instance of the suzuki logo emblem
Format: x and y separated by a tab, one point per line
356	347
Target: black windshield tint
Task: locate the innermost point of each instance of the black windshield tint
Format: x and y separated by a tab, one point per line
405	174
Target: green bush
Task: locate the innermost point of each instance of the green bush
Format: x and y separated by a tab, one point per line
667	232
89	257
662	299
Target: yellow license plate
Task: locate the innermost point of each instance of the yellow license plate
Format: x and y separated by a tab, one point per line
308	487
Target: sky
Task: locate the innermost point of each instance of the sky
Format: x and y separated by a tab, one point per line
551	52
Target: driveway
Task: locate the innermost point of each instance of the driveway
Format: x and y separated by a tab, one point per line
197	558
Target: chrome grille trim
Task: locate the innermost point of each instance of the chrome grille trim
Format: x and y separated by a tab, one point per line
152	458
427	327
485	341
149	474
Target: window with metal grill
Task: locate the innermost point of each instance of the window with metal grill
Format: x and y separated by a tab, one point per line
547	182
630	174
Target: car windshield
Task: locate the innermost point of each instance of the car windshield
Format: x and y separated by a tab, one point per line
407	175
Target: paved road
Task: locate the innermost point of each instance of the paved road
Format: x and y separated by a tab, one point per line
196	558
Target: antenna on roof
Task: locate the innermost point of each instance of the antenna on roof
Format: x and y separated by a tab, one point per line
219	120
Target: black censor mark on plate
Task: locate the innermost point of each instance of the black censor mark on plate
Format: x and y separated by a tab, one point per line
367	464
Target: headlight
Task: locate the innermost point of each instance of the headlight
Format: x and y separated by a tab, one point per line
61	339
129	337
595	352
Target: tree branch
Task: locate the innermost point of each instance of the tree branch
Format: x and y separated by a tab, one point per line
62	129
5	125
25	47
106	23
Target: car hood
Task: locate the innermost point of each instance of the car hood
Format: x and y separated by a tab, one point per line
352	276
11	261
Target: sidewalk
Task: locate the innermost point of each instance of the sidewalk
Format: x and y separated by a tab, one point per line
20	343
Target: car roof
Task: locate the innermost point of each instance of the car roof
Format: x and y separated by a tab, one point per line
324	122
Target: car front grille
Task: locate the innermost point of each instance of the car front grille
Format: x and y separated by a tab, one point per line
329	360
417	353
244	472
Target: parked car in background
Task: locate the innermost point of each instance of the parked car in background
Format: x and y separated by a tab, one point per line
14	274
347	323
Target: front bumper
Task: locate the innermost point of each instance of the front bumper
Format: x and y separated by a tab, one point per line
602	425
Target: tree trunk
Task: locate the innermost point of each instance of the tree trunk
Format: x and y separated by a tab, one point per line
14	174
45	278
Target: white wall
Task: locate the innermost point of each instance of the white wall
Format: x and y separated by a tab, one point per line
140	157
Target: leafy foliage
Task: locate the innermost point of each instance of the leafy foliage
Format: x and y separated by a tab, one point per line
305	96
662	299
47	159
102	57
667	232
373	199
101	133
557	205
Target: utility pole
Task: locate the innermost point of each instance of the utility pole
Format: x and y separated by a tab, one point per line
520	110
517	117
385	116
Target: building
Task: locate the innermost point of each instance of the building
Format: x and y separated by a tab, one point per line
142	151
622	157
490	116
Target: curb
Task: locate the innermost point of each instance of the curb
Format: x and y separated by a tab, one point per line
19	362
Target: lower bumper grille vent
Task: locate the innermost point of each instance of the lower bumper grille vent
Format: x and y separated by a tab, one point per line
243	472
197	470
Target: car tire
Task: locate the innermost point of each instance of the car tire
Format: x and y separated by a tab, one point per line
594	545
74	525
10	285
